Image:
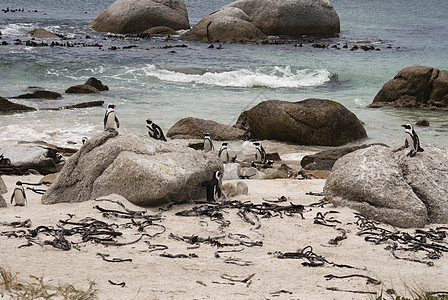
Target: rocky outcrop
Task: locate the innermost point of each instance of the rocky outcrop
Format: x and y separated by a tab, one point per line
189	128
83	105
128	16
8	106
96	83
145	171
3	190
386	185
251	20
308	122
229	24
40	94
82	89
416	87
325	160
41	33
31	156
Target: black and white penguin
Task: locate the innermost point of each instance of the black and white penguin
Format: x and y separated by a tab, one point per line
110	119
213	188
155	131
208	144
412	140
84	140
260	154
19	195
223	153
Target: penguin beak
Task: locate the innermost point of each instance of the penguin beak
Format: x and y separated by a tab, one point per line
403	125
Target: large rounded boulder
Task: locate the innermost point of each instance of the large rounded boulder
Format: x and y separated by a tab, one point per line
129	16
191	128
308	122
388	186
228	24
141	169
416	87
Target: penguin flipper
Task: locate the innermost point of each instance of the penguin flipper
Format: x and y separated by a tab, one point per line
406	144
118	122
12	197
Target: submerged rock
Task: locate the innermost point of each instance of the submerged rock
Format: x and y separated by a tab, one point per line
129	16
189	128
96	83
82	89
387	186
41	33
40	94
8	106
308	122
145	171
416	87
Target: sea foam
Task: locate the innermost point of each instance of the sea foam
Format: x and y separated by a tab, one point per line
265	77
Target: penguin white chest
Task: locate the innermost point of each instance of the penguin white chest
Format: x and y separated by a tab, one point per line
19	197
110	121
410	141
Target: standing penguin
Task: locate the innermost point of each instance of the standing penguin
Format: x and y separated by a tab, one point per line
19	195
84	140
213	188
155	131
412	140
260	154
110	119
223	153
208	144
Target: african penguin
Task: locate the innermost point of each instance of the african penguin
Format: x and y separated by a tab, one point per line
155	131
19	195
84	140
208	144
110	119
260	154
213	188
223	153
412	140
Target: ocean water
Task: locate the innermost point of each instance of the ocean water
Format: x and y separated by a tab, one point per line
158	78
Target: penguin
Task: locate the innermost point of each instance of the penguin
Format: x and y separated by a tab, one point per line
155	131
84	140
19	195
213	188
208	144
412	140
223	153
110	119
260	154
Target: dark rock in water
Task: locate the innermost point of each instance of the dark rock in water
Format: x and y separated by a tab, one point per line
84	105
388	186
416	87
422	123
325	160
146	171
8	106
189	128
273	156
92	81
228	24
41	158
82	89
159	30
40	94
129	16
308	122
41	33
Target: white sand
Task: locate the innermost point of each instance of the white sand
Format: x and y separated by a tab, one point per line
150	276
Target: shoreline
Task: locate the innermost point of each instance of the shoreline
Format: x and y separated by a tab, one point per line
206	277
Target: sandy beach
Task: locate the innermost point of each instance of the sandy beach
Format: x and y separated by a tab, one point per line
253	271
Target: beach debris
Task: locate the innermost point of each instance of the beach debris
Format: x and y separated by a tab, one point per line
281	292
189	255
339	238
104	257
122	284
236	279
321	219
369	279
336	289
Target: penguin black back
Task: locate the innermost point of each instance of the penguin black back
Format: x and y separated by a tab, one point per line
213	187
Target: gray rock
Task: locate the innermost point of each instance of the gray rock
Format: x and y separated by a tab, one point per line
159	30
145	171
8	106
41	33
228	24
253	173
388	186
291	17
82	89
2	201
308	122
129	16
231	171
417	87
232	189
3	188
96	83
189	128
40	94
41	158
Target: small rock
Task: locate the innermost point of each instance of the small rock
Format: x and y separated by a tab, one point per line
92	81
422	123
41	33
8	106
231	171
232	189
82	89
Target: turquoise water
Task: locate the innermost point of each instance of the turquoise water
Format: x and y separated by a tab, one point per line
149	80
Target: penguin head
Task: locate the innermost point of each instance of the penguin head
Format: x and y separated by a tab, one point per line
19	183
207	135
218	175
149	121
84	140
224	144
408	127
111	106
256	144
